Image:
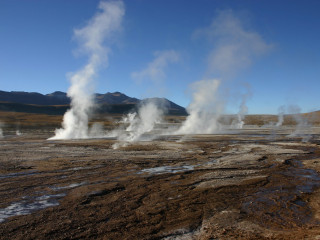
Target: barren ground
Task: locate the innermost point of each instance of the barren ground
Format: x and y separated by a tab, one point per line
253	184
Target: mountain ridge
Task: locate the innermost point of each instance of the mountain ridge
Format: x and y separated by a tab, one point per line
115	102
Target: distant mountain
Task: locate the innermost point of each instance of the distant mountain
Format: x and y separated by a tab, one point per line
61	98
164	103
115	98
56	98
33	108
57	103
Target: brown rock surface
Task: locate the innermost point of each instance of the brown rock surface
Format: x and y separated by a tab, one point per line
241	186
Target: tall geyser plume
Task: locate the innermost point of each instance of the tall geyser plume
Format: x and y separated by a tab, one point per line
234	49
204	109
102	27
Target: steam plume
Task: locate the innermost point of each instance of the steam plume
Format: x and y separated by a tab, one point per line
155	69
139	124
280	116
234	49
100	28
238	123
153	76
204	109
1	131
303	126
142	122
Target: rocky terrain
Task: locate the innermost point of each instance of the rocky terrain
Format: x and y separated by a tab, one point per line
256	183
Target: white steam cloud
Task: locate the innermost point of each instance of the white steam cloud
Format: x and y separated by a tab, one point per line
302	124
204	109
1	131
155	71
239	121
234	49
140	123
100	28
281	111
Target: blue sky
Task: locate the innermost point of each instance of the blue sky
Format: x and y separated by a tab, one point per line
38	50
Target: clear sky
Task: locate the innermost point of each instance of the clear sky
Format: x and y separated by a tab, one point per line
165	45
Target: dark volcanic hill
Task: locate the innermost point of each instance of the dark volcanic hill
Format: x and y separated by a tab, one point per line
56	98
49	103
115	98
61	98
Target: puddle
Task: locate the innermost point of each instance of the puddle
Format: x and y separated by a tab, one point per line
18	174
81	168
77	168
73	185
176	169
30	205
167	169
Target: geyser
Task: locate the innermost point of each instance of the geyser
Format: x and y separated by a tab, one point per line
302	124
141	122
204	109
280	116
1	131
91	37
243	110
234	49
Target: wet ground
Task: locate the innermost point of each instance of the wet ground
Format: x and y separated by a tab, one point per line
250	184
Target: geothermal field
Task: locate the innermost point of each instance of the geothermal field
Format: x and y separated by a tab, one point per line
258	182
90	162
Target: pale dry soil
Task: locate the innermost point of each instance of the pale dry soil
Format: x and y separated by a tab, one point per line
247	185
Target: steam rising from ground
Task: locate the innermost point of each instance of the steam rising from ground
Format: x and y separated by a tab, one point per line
140	123
239	121
301	121
235	49
155	69
303	124
281	111
91	37
1	131
204	109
